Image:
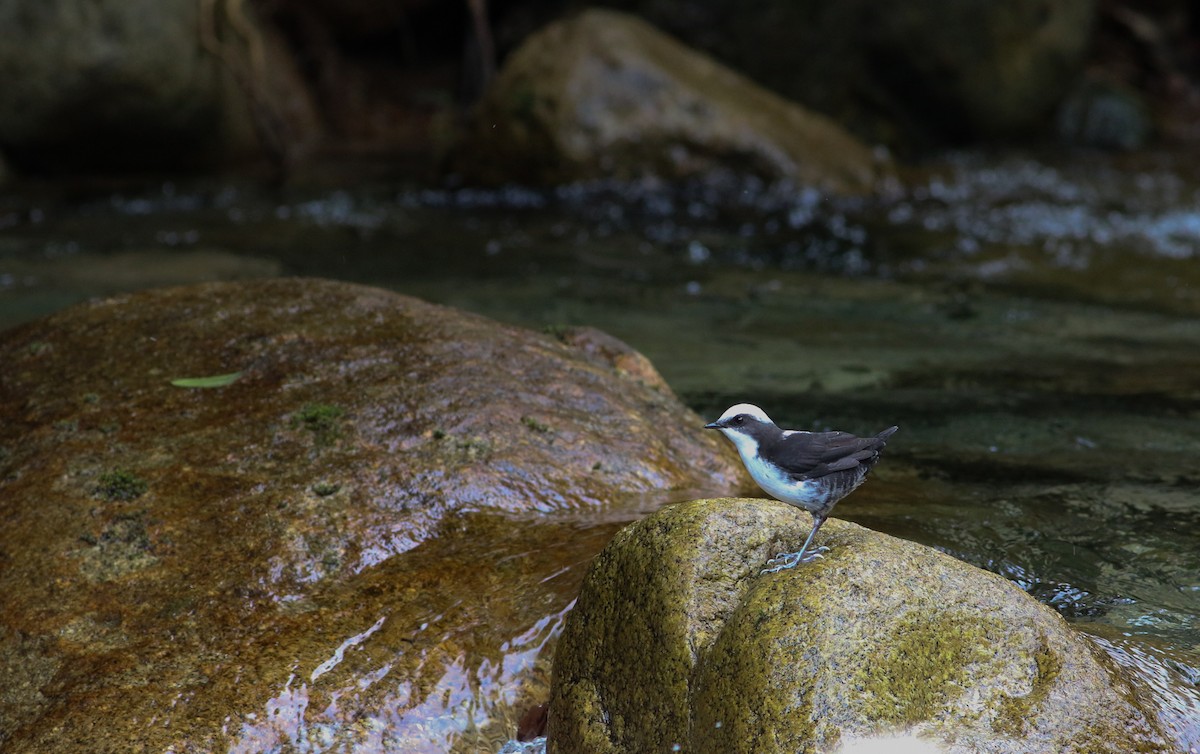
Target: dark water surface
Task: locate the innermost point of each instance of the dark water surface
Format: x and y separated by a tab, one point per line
1031	322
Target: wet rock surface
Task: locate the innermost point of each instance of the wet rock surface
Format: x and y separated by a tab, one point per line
677	639
606	95
333	542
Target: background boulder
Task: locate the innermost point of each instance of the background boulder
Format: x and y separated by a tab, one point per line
604	94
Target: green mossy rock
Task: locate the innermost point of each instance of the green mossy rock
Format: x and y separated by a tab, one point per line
677	639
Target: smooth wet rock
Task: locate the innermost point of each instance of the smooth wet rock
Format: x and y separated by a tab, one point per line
604	94
331	544
677	639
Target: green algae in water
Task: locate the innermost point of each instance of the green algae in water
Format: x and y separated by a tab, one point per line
120	485
217	380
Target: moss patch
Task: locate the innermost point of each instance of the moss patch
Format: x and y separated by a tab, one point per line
922	667
120	485
325	489
1015	710
751	693
322	419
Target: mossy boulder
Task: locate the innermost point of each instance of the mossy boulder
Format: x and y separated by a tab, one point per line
604	94
678	640
350	513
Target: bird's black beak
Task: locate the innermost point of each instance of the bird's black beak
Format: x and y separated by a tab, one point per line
713	425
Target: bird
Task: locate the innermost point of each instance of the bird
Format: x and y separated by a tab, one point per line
810	470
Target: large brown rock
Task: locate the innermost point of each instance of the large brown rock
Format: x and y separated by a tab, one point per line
349	543
678	640
604	94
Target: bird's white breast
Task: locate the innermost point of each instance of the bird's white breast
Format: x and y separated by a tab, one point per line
779	485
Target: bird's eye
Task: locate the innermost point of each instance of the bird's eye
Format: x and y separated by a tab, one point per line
740	418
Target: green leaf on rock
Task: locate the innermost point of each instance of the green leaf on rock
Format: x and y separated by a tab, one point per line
218	380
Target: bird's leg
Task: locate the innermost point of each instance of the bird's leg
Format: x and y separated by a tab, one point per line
791	559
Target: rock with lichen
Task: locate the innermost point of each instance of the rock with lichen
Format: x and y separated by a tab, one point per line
606	95
678	640
299	513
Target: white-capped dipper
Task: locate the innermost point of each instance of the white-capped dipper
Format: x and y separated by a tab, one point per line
810	470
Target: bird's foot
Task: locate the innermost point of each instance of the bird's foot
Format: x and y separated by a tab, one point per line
785	560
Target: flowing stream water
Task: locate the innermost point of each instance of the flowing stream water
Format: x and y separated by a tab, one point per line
1032	323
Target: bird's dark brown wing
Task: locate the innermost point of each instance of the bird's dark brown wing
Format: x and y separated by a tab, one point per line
816	454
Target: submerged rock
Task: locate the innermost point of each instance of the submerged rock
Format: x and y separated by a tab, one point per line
606	95
304	543
678	640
